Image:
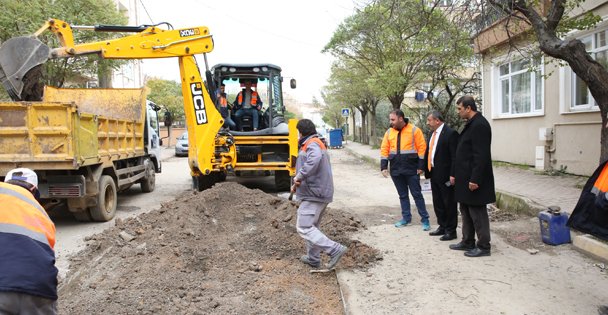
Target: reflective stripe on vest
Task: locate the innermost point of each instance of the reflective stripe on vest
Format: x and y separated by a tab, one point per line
22	214
398	150
254	98
16	229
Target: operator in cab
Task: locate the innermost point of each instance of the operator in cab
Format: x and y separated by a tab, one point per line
248	102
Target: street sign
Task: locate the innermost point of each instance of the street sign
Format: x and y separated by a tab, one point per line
345	112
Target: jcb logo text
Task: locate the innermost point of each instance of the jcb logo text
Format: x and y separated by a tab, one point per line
200	113
189	32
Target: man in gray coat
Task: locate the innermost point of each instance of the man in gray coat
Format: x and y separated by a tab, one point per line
313	185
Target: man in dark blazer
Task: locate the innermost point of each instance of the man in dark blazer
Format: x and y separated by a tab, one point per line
439	161
474	179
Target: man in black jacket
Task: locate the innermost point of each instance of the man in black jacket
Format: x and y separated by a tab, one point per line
474	179
439	161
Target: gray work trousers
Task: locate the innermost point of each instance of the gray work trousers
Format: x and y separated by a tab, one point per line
13	303
309	219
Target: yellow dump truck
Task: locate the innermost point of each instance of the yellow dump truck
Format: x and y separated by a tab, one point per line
85	145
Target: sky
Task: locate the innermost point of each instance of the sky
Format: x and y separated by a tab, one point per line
287	33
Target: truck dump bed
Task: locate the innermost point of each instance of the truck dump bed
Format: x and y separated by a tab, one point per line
72	128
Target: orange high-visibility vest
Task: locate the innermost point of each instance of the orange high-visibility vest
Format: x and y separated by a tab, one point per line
311	140
223	101
254	98
601	183
22	214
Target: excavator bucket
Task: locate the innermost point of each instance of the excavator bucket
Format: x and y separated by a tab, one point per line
17	57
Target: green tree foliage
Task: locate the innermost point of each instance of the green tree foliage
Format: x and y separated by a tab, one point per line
349	86
168	95
392	40
22	18
404	45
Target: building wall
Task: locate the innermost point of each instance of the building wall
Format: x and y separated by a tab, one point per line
575	144
129	75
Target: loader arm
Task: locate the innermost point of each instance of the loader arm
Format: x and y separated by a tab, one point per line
202	118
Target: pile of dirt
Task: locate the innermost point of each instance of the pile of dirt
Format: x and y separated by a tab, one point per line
226	250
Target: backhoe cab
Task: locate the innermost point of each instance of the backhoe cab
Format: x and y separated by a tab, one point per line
272	148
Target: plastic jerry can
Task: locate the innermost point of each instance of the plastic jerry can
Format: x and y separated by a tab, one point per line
553	229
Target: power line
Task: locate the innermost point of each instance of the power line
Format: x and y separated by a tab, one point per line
147	13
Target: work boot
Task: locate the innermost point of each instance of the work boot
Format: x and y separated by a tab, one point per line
305	259
335	258
426	226
402	223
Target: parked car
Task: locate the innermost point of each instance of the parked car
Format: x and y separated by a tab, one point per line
323	136
181	147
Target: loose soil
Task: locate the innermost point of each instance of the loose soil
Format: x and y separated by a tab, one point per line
226	250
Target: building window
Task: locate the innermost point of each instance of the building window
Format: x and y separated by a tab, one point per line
520	87
597	46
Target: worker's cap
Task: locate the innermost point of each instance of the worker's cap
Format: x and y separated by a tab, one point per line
23	174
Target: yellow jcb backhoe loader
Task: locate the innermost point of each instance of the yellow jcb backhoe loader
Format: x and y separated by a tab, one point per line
211	153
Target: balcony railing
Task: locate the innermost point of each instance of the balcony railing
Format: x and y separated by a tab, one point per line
489	15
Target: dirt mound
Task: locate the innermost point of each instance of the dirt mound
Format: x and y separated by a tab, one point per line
227	250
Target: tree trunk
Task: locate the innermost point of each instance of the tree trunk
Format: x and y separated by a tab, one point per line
364	138
396	100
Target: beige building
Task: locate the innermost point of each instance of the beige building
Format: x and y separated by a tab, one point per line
540	113
129	75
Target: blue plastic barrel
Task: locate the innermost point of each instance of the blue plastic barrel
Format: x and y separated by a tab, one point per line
553	229
335	138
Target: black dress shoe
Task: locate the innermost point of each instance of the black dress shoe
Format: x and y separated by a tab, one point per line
477	252
437	232
448	237
462	246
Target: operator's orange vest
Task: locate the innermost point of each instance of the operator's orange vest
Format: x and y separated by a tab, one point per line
254	98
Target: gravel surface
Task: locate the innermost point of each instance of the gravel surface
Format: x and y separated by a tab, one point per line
227	250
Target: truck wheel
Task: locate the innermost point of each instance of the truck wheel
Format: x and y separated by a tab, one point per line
106	200
203	182
148	183
282	180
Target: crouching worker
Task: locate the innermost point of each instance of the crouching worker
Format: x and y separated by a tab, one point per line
313	185
28	277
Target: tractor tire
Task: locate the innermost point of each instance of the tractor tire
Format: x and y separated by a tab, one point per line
106	200
148	183
282	180
222	176
203	182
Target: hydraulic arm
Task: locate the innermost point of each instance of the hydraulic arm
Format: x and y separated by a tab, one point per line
21	54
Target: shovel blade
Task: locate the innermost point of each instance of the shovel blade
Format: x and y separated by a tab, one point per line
18	56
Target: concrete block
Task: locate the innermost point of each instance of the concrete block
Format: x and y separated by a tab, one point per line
591	245
517	204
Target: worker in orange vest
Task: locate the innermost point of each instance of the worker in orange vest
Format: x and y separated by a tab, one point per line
28	276
248	102
224	108
403	148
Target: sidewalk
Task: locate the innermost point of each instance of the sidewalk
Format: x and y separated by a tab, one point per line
524	191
